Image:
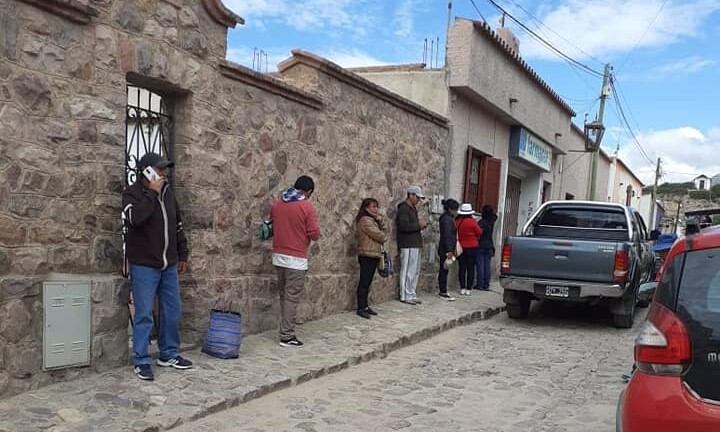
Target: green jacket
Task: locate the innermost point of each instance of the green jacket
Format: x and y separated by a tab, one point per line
409	233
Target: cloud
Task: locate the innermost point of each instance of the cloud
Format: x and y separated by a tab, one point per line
353	58
686	152
344	58
685	66
309	15
603	28
403	20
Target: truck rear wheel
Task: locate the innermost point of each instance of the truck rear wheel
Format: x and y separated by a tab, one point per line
518	310
624	321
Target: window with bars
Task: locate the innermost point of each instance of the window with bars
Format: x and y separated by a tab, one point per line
149	128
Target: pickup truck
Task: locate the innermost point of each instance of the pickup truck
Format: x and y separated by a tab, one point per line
578	251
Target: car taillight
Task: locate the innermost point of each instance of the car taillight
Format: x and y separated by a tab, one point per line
505	259
663	346
620	273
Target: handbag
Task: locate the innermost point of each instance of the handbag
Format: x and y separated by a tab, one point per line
458	246
386	265
224	335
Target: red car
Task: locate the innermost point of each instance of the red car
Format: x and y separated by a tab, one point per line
676	386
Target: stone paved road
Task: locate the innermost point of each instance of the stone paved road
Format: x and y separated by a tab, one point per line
559	371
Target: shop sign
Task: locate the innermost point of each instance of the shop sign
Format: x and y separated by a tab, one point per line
530	148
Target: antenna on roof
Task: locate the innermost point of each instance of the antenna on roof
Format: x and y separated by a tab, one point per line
432	51
425	47
437	52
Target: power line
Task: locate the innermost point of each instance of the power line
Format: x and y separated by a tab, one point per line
625	101
652	22
478	10
547	44
542	24
623	117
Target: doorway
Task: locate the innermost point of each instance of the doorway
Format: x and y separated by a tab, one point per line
512	206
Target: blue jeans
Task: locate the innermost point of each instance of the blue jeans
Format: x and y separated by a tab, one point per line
147	283
484	256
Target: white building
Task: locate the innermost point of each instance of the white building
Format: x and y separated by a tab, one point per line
702	182
511	132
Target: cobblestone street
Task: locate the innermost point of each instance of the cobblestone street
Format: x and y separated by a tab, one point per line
559	371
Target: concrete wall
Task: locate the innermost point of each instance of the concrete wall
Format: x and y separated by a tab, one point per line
620	181
424	87
574	170
604	175
480	64
240	138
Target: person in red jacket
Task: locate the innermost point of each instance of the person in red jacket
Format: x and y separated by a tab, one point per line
295	225
468	232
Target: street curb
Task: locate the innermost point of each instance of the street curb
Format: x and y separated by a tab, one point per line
376	352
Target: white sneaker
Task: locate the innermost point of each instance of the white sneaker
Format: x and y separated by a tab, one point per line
462	292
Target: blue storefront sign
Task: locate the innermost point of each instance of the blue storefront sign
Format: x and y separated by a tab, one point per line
530	148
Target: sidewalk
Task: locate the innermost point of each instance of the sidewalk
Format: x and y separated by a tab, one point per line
118	401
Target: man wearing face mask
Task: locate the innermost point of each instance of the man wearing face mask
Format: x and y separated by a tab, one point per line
157	251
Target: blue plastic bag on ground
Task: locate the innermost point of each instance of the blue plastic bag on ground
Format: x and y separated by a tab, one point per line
224	335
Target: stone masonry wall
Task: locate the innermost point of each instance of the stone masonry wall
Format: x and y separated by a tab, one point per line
240	138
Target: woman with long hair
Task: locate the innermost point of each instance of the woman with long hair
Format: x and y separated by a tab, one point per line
469	233
486	248
446	246
371	235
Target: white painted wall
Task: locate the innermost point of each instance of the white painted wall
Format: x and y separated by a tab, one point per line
424	87
706	183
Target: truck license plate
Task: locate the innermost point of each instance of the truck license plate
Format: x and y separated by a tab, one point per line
557	291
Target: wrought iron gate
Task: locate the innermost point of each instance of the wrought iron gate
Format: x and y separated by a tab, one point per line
148	128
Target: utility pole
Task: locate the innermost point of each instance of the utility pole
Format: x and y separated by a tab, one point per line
654	195
677	217
604	92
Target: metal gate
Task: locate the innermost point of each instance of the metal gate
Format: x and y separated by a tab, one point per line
149	128
512	206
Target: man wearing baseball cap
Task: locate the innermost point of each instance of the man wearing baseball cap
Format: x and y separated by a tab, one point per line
157	251
409	239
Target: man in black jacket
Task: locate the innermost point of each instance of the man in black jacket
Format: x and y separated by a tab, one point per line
156	249
409	239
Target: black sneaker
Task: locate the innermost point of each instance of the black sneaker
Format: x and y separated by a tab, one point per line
144	372
177	363
291	343
370	311
363	313
447	296
410	302
417	301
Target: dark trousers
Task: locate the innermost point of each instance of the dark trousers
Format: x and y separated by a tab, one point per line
467	268
442	276
368	266
484	256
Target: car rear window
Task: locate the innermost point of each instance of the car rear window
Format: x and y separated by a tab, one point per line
667	289
700	286
584	218
699	308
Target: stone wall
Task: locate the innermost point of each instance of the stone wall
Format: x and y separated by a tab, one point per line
240	138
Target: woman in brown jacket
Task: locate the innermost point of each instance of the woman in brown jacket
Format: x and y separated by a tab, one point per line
371	235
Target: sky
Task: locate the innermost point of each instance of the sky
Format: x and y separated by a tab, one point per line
664	54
